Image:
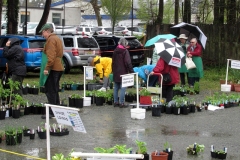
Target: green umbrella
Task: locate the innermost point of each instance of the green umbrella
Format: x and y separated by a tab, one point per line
43	77
156	38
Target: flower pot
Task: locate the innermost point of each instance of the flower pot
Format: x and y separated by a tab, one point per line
169	110
176	110
79	103
199	109
26	132
25	91
145	100
192	108
74	87
42	135
2	115
146	157
35	91
80	87
27	110
19	137
222	156
213	154
161	156
16	113
170	154
11	139
42	89
184	110
71	102
32	135
22	112
156	111
99	101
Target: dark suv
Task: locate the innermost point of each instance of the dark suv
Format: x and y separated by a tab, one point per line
108	43
32	46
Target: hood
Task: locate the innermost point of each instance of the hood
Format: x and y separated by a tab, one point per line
14	41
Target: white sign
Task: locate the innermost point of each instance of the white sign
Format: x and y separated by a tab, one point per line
127	80
89	73
70	118
148	61
235	64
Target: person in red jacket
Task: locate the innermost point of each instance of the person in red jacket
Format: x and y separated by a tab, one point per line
163	68
194	51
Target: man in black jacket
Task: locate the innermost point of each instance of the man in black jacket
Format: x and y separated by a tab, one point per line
14	54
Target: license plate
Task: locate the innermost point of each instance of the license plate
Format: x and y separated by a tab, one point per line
135	57
88	52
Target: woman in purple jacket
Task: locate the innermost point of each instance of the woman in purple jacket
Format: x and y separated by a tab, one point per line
121	64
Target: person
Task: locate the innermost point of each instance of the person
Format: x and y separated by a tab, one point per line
121	64
17	70
104	69
143	72
183	69
194	51
154	78
163	68
54	67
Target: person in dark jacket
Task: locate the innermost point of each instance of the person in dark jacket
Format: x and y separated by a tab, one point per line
121	64
163	68
14	54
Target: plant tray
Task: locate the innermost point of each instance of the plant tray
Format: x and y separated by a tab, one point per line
59	133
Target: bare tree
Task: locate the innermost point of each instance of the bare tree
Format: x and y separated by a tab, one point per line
12	16
176	17
187	11
1	4
44	18
231	11
96	9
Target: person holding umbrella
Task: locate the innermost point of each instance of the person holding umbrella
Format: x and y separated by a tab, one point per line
183	70
194	51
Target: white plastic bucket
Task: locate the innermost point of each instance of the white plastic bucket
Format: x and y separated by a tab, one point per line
225	88
138	113
86	101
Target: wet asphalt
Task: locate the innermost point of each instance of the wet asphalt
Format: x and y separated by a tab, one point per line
107	126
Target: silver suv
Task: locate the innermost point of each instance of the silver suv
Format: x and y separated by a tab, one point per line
77	49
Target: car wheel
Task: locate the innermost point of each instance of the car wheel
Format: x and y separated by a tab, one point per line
66	66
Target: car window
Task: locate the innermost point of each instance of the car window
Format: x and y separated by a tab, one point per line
36	43
133	42
111	42
31	26
108	29
86	42
79	29
96	29
119	28
68	42
87	30
102	42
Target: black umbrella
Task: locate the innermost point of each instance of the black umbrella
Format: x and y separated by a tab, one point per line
191	31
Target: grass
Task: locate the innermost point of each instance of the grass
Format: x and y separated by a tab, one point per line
210	81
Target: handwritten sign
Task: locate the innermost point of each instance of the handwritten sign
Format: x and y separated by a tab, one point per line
235	64
70	118
89	73
127	80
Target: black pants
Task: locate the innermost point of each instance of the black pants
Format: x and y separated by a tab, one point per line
192	80
52	87
167	92
20	80
182	76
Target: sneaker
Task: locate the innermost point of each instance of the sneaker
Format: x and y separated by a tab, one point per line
102	89
123	106
116	105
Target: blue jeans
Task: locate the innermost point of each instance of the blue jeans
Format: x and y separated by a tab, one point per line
117	87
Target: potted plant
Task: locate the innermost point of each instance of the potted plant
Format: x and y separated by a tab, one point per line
196	87
11	135
142	149
26	131
78	100
41	131
109	97
2	112
145	96
122	149
221	154
159	155
58	130
168	149
195	148
17	99
99	98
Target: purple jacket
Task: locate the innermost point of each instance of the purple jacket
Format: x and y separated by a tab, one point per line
121	63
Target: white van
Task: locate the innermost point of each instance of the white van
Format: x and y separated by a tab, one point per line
32	26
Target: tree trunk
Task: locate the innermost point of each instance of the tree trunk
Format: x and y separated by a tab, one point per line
96	9
221	11
176	17
45	14
12	16
160	12
231	11
1	4
187	11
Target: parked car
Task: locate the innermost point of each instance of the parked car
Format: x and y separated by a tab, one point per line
32	26
65	30
102	30
32	46
108	43
128	31
84	30
77	50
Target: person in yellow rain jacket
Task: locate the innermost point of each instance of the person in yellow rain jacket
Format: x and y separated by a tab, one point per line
104	69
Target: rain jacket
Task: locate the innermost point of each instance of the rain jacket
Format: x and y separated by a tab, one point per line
54	51
15	58
143	71
121	63
103	66
197	59
163	68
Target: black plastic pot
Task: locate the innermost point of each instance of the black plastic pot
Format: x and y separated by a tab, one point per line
2	115
156	111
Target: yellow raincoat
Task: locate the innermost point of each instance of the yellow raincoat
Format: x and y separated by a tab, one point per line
103	66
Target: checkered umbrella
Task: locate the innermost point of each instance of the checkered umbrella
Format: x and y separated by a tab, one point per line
171	52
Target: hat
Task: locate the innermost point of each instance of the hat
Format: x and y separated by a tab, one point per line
45	27
90	59
182	36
